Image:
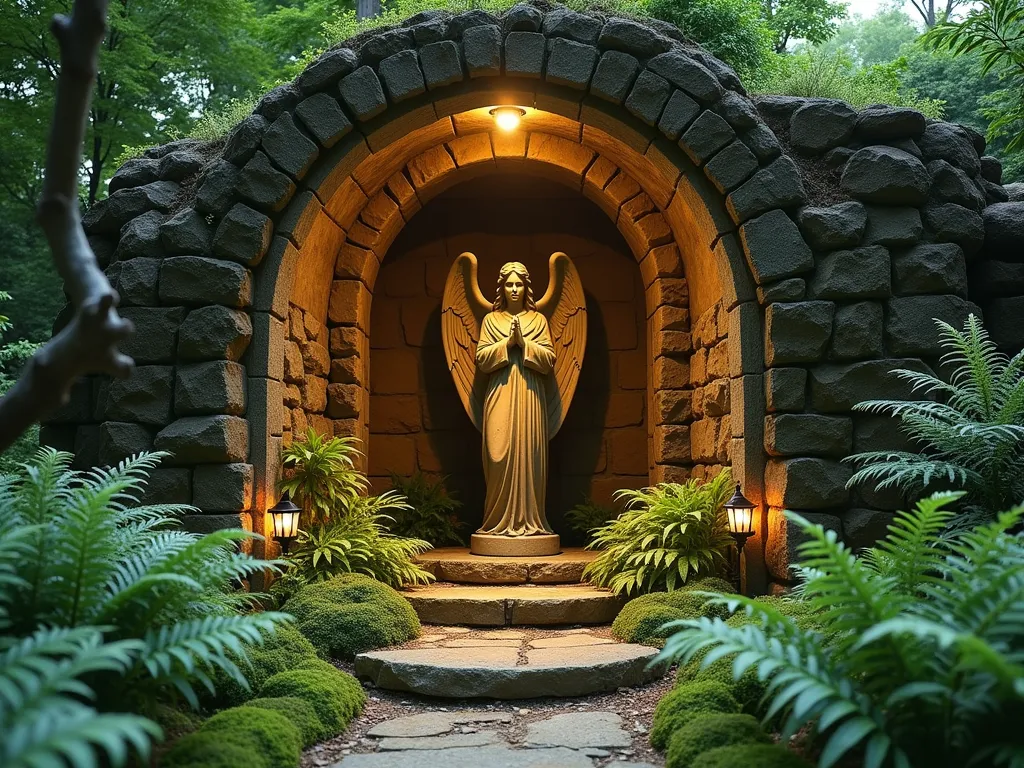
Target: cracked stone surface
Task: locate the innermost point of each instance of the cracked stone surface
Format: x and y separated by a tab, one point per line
434	723
579	730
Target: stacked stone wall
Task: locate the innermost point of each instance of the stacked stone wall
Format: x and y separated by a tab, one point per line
710	431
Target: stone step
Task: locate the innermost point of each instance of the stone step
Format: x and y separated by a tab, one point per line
458	565
528	605
501	672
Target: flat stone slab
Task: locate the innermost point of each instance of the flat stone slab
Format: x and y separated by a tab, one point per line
491	757
569	641
482	642
449	741
496	672
433	723
579	730
458	565
514	605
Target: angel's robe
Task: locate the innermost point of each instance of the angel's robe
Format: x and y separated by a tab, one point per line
515	423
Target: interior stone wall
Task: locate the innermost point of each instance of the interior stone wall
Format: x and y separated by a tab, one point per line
416	421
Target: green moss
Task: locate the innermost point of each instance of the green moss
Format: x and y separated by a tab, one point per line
299	712
350	614
641	619
241	736
680	705
707	732
336	696
176	722
747	755
748	690
709	584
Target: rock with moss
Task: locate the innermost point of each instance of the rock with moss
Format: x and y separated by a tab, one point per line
642	618
707	732
685	702
299	712
350	614
336	696
709	584
747	755
748	690
241	736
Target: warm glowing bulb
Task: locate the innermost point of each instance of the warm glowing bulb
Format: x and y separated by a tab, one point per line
507	118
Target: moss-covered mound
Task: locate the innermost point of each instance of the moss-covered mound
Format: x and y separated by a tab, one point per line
706	732
749	755
299	712
642	618
241	736
350	614
336	696
684	703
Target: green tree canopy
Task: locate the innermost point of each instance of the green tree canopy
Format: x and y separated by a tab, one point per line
874	40
812	20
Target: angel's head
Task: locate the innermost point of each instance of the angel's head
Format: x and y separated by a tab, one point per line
514	288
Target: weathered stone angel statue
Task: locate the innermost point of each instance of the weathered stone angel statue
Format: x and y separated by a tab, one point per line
515	361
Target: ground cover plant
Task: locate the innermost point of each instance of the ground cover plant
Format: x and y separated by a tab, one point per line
643	618
430	513
915	653
107	611
666	535
970	428
588	516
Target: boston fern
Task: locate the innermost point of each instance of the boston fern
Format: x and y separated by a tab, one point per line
921	657
104	606
431	513
321	475
971	435
667	534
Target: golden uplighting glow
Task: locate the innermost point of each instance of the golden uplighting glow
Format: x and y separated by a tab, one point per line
508	118
741	513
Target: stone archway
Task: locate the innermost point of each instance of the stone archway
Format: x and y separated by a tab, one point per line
212	245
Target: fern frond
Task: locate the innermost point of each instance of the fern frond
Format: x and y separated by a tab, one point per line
73	738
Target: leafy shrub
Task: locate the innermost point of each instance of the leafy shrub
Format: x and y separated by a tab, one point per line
667	534
431	512
336	696
973	437
351	614
746	755
265	737
138	609
587	516
686	702
358	542
298	712
321	475
706	732
923	631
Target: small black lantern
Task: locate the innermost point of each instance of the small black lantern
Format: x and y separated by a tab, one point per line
285	515
740	510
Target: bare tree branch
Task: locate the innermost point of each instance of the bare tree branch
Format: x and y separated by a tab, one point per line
88	344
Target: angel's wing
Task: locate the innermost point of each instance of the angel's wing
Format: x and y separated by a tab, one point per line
462	310
565	307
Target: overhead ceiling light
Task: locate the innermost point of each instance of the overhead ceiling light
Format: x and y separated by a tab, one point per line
508	118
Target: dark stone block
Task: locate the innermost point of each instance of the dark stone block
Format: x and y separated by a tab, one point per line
821	125
289	148
857	331
156	333
243	235
214	333
837	388
648	97
807	434
775	248
731	167
522	18
561	22
777	186
324	118
945	141
884	123
141	237
996	278
402	76
223	487
323	73
798	332
1003	318
864	528
570	63
678	114
110	215
119	440
136	282
632	37
1004	231
217	190
930	268
738	111
205	440
885	175
213	387
762	142
994	193
785	389
143	397
200	525
481	47
793	289
442	64
892	226
838	157
463	22
432	31
263	185
134	173
910	327
991	169
862	273
387	43
167	485
178	166
951	185
362	94
835	226
615	75
952	223
278	100
708	134
186	232
197	280
806	483
683	72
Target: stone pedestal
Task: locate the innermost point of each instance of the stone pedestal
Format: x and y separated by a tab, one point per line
514	546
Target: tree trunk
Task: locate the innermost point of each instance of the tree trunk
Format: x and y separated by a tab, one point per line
367	9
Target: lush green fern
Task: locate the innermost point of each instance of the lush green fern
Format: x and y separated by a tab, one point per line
666	535
588	516
321	475
971	434
431	513
920	655
105	606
